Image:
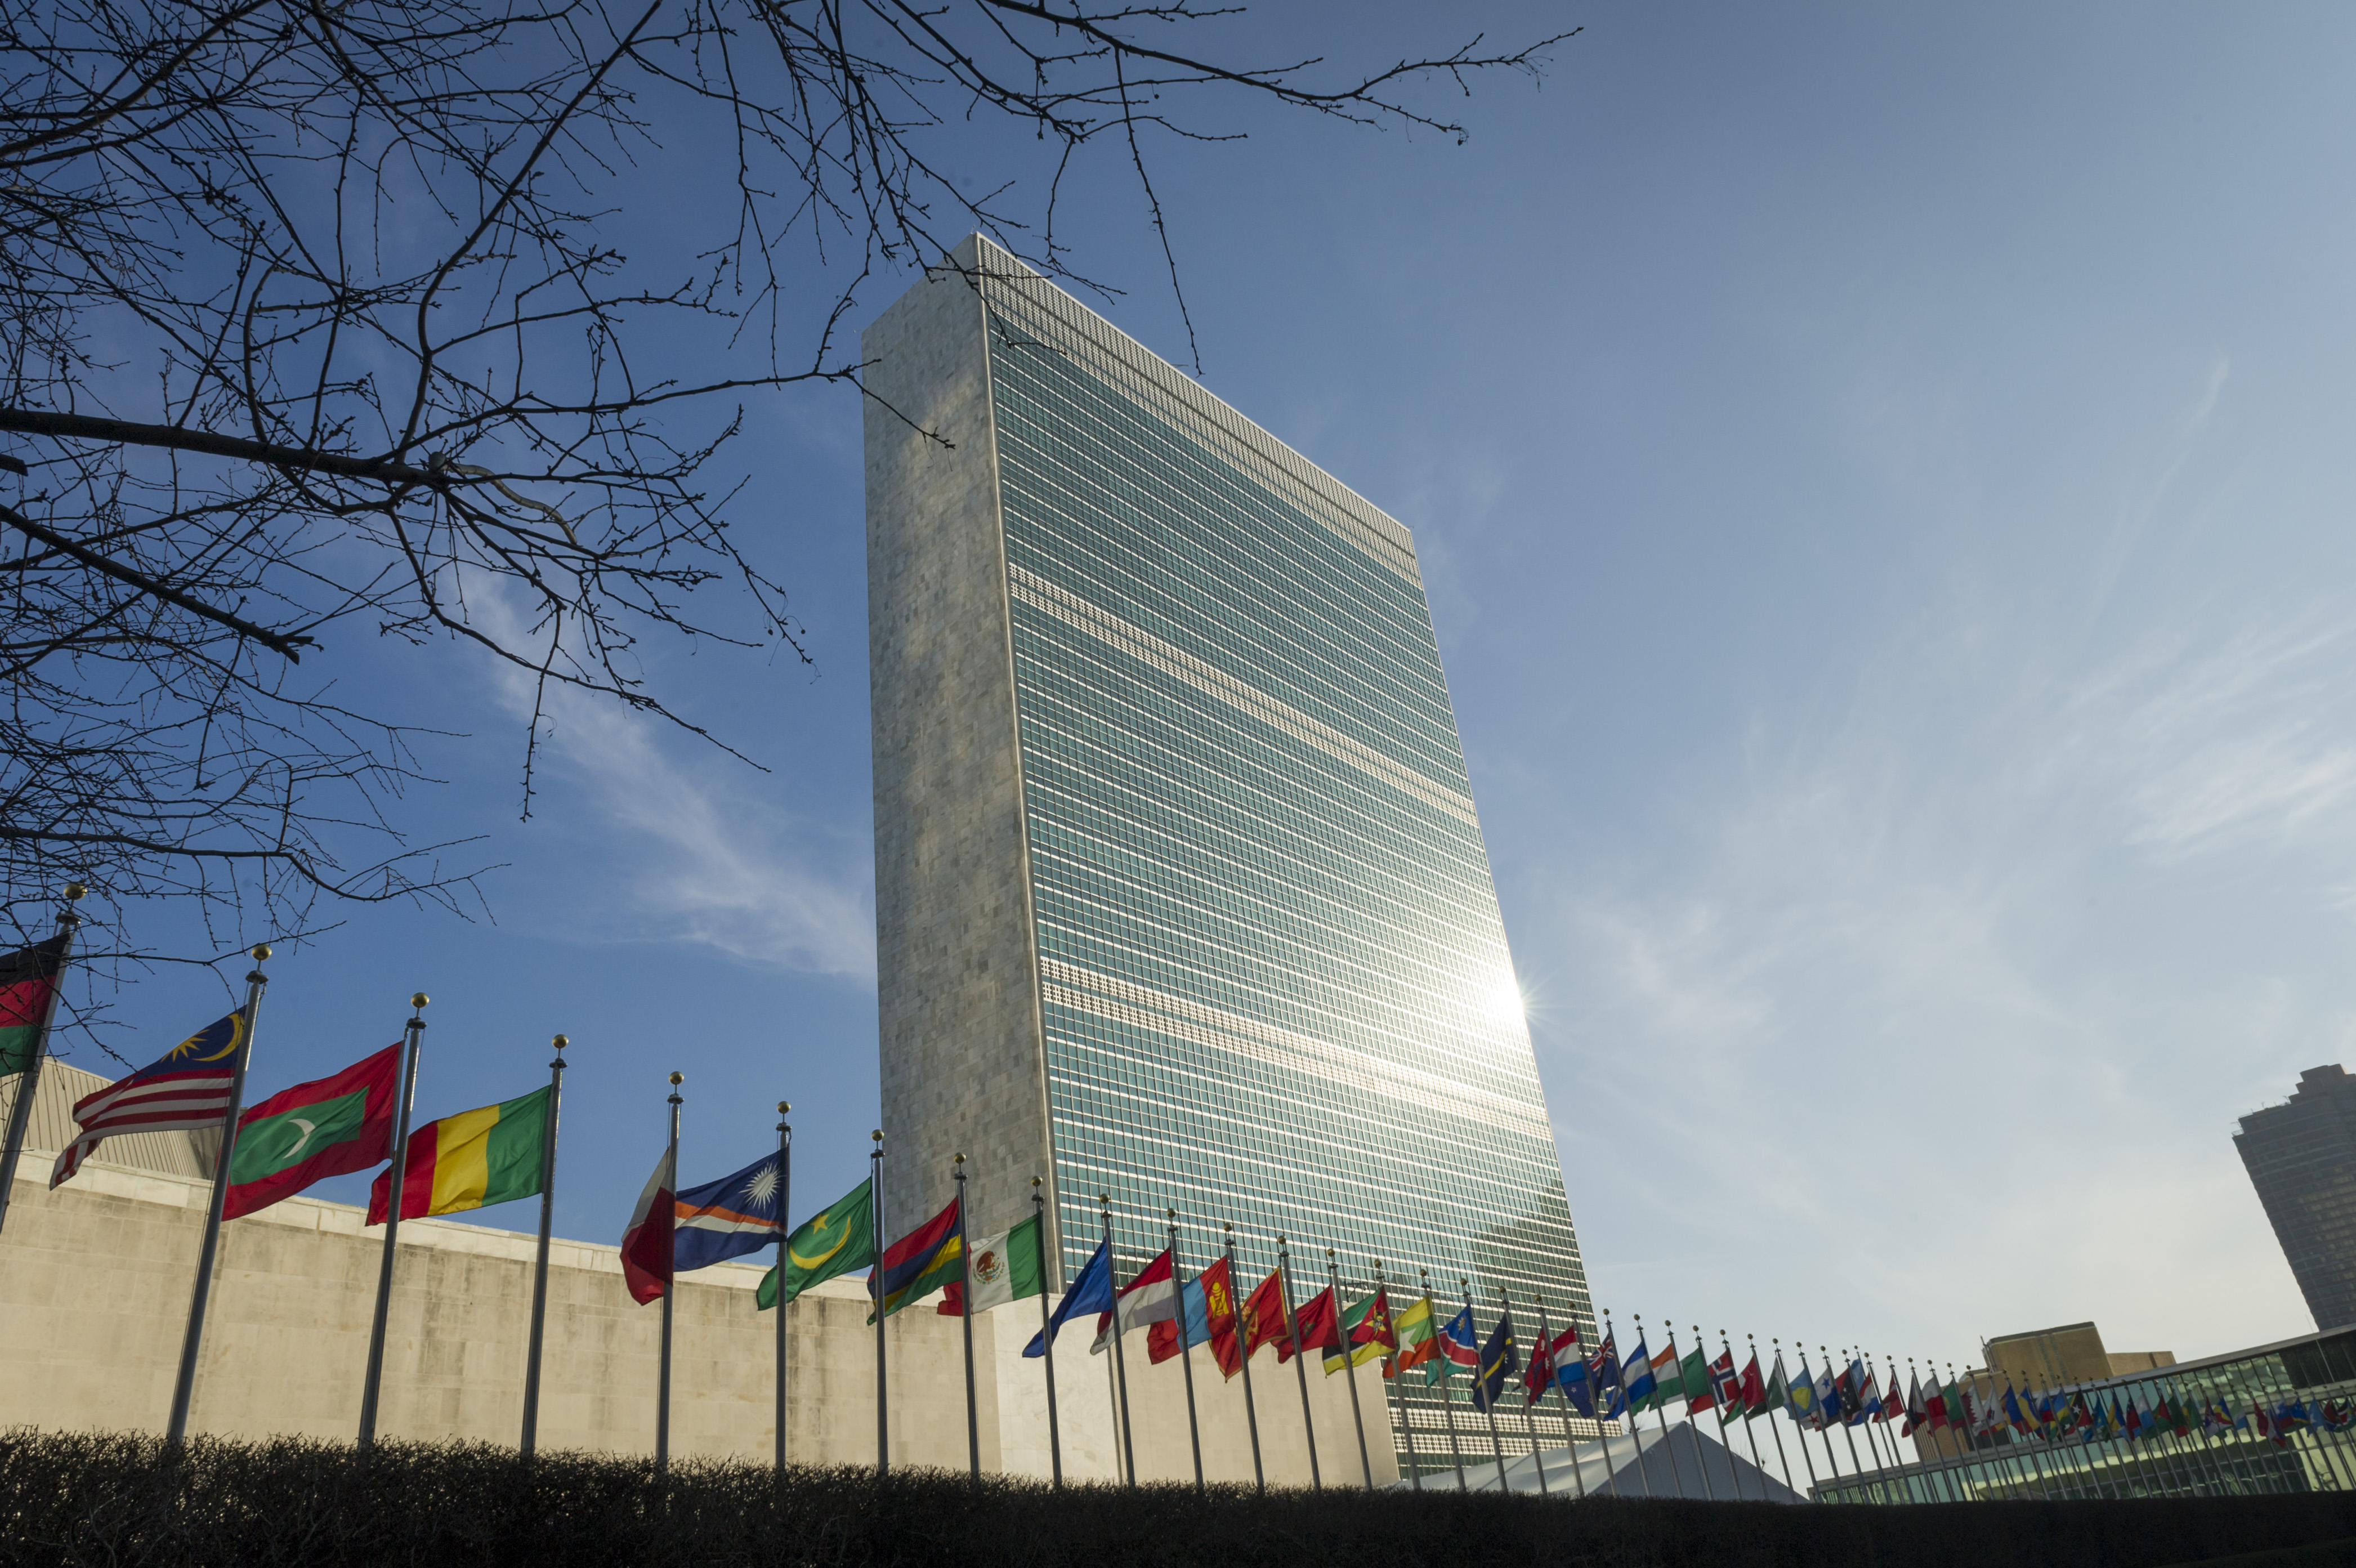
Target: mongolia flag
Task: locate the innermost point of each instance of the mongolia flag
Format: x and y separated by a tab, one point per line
1162	1338
471	1160
1418	1340
1219	1315
330	1126
28	979
728	1218
1316	1324
1150	1297
646	1259
920	1263
1263	1315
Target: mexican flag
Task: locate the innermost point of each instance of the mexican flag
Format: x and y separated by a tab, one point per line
834	1242
28	979
493	1154
1005	1271
330	1126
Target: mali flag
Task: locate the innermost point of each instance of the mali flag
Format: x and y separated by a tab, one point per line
29	978
471	1160
330	1126
922	1261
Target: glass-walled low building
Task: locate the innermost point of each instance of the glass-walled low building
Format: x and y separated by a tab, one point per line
2312	1380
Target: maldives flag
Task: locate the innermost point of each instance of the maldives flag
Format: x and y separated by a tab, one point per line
28	979
1317	1324
330	1126
1219	1315
1263	1315
647	1256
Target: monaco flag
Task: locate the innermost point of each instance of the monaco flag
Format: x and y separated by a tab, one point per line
646	1244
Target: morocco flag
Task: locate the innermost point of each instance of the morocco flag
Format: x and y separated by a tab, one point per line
330	1126
646	1257
1317	1324
29	978
472	1160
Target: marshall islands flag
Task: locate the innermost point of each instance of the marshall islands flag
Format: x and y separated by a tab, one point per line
728	1218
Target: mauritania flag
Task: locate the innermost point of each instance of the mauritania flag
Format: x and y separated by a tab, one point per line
330	1126
493	1154
187	1092
29	978
834	1242
726	1219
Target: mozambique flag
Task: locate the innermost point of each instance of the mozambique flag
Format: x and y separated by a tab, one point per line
921	1262
472	1160
1366	1329
1417	1341
835	1242
29	978
330	1126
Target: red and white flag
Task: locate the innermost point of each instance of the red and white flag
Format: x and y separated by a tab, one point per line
1150	1297
646	1244
187	1092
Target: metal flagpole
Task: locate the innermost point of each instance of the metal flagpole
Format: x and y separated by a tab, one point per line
1635	1440
1772	1413
1244	1350
1529	1422
1405	1422
185	1387
1480	1394
1293	1335
1701	1460
671	1293
20	1113
1848	1434
393	1184
1542	1347
539	1264
1447	1397
875	1276
1120	1366
1046	1348
965	1317
1349	1368
1554	1377
1748	1435
1732	1474
1661	1409
785	1231
1187	1351
1799	1439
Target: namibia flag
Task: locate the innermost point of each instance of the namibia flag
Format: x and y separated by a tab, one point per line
922	1261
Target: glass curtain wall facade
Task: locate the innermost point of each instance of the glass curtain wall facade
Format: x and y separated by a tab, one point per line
1273	984
2301	1158
2308	1373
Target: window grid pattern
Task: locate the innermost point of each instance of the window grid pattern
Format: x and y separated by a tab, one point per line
1276	985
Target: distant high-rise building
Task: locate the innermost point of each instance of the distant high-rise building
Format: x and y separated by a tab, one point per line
1180	893
2302	1159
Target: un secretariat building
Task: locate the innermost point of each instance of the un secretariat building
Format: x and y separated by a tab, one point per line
1180	891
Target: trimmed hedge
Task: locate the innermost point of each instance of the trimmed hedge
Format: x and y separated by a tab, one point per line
72	1500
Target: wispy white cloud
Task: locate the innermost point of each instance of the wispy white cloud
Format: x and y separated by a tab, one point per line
694	844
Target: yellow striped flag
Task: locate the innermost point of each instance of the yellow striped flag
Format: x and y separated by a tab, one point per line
474	1159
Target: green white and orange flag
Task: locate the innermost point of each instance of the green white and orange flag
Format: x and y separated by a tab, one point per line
1417	1341
1366	1329
29	978
472	1160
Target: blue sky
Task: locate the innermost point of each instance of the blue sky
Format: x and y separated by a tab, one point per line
1881	475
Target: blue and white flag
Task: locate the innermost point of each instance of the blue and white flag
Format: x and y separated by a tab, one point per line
726	1219
1636	1375
1090	1291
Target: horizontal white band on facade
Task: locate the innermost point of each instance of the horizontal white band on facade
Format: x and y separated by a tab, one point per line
1101	624
1069	329
1126	1001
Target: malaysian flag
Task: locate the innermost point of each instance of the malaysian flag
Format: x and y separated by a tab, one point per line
187	1092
